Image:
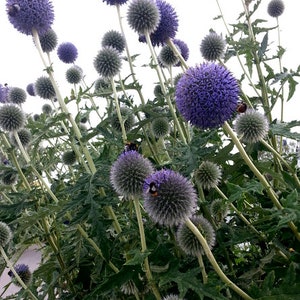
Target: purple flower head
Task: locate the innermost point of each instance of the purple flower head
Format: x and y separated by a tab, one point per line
184	49
4	90
26	15
129	172
207	95
167	26
67	52
275	8
169	198
23	271
115	2
31	89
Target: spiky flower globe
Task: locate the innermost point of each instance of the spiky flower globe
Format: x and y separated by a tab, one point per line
114	39
68	157
275	8
212	46
24	136
48	40
16	95
160	127
103	85
189	243
4	90
207	95
9	177
218	210
5	234
252	126
115	2
24	273
167	56
44	88
11	117
26	15
30	89
169	198
127	117
143	16
167	27
208	175
129	172
67	52
74	75
184	49
128	288
108	62
47	109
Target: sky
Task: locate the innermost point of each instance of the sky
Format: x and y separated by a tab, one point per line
85	24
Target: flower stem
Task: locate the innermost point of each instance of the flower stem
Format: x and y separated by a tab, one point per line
144	247
213	261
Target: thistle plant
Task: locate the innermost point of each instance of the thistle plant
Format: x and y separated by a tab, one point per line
154	175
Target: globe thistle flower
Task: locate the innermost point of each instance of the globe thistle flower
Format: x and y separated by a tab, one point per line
212	46
171	297
176	78
207	95
167	57
160	127
68	157
114	39
16	95
5	234
108	62
127	117
67	52
184	50
275	8
24	273
167	27
44	88
189	243
128	288
169	198
218	210
102	84
252	126
47	109
208	175
30	89
143	16
74	75
27	15
24	135
9	177
129	172
36	117
48	40
158	93
4	90
115	2
11	117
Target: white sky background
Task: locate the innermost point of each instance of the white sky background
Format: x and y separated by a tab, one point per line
83	22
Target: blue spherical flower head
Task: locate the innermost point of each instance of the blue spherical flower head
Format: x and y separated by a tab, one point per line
30	89
169	198
115	2
275	8
207	95
184	49
129	172
29	15
23	271
167	27
4	91
67	52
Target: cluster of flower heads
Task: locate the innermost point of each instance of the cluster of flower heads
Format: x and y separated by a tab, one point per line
207	95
